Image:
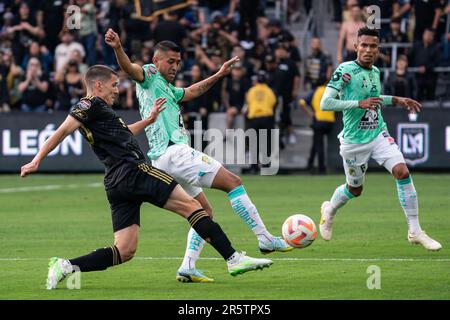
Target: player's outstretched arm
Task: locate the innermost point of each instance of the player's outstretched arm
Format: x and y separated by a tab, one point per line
132	69
137	127
199	88
67	127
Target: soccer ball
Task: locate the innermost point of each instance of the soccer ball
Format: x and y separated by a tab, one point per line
299	231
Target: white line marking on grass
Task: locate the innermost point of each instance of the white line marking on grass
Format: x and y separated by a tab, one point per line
51	187
275	259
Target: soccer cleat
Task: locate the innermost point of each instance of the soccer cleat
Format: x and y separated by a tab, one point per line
326	220
246	263
58	269
192	275
423	239
275	244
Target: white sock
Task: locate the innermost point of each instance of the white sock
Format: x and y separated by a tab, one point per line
408	201
234	258
340	197
194	246
244	208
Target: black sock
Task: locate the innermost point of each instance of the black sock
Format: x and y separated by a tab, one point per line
99	259
211	233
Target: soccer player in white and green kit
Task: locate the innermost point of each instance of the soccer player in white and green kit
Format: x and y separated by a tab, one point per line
355	89
169	149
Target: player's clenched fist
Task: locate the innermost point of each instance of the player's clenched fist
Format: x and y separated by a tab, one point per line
112	39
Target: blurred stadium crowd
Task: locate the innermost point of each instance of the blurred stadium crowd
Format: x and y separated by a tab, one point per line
42	61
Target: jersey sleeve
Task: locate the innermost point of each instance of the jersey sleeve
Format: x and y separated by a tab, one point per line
340	78
149	71
177	92
83	111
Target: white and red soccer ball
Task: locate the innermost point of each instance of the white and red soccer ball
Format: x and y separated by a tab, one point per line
299	231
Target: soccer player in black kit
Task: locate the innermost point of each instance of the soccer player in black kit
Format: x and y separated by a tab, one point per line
129	182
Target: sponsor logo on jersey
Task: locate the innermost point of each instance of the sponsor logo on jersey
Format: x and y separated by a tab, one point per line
369	121
413	142
151	70
84	104
388	137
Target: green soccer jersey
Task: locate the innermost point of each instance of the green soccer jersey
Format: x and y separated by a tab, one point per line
169	124
354	82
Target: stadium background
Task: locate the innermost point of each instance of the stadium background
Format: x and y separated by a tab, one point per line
254	37
54	214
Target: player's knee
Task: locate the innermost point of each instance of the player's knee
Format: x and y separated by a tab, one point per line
400	172
233	180
192	205
355	191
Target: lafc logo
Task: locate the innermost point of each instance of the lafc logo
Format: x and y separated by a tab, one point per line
413	142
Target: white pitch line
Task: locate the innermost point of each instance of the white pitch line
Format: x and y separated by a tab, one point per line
50	187
275	259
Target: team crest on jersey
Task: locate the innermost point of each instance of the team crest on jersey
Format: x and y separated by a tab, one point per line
346	77
351	171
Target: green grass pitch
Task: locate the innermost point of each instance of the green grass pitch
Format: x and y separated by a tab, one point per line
68	216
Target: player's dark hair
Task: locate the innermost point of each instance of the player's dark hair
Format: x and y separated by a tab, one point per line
98	72
365	31
166	46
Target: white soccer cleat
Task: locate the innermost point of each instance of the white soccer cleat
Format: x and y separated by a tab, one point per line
58	269
326	220
423	239
275	244
245	263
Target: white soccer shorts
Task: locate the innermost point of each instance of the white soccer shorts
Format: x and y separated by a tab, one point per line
192	169
356	156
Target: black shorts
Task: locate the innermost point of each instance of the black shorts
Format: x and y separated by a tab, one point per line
143	184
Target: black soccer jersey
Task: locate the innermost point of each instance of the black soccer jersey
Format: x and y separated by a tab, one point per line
110	139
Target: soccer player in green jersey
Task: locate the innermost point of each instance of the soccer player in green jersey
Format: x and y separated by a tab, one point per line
355	90
170	151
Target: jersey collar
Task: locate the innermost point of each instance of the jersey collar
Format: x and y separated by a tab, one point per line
356	61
